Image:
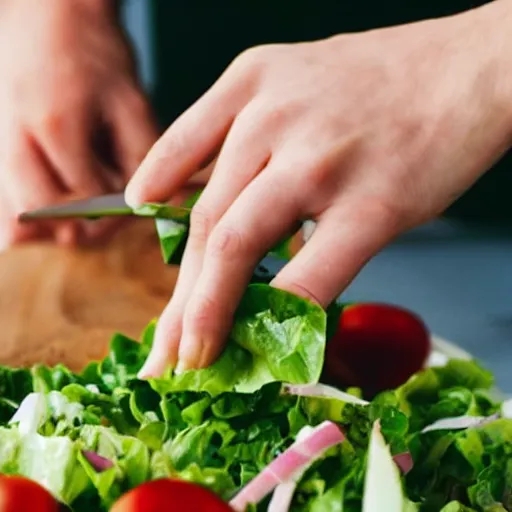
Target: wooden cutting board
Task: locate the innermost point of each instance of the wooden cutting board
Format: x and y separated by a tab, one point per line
63	305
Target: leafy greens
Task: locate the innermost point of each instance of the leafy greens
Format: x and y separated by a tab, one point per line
91	436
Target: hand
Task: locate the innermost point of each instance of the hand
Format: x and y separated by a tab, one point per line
368	134
74	121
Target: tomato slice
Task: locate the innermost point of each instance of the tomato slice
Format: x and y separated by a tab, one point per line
19	494
376	347
170	495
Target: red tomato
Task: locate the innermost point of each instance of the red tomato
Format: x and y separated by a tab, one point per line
19	494
168	495
376	347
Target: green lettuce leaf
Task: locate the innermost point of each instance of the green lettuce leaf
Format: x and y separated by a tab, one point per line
276	336
455	506
15	385
51	461
459	388
130	456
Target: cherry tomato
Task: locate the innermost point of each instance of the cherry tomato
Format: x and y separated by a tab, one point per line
167	495
376	347
19	494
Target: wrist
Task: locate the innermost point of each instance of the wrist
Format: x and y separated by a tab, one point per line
495	41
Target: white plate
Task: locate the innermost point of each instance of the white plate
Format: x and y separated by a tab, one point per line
444	350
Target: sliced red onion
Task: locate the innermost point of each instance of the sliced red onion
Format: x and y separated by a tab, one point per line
404	462
282	497
98	462
283	493
460	423
322	391
288	464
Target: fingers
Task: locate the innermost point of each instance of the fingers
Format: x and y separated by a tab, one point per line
28	178
236	166
28	181
12	232
341	244
188	143
236	244
67	141
134	130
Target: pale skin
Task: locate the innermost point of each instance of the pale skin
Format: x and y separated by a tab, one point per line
67	76
368	134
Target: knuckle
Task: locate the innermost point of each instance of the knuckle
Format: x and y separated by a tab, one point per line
272	115
253	60
390	215
226	242
250	57
201	224
318	175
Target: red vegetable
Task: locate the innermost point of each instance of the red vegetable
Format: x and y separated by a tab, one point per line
170	496
376	347
19	494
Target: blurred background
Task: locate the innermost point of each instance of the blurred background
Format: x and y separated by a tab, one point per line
455	272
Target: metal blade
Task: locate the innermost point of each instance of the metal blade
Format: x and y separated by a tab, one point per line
108	205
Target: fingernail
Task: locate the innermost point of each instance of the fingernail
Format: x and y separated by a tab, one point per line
132	197
181	367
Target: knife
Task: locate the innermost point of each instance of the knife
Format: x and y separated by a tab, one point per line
105	206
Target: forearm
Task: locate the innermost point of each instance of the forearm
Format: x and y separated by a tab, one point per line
492	43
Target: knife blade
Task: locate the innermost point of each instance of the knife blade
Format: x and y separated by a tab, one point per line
103	206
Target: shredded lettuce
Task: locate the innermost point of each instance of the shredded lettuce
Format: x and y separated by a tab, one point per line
90	436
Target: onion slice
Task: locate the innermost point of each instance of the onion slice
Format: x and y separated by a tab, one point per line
460	423
98	462
283	494
322	391
404	462
288	464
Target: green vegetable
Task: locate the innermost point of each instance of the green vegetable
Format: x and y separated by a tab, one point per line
276	336
221	426
52	461
172	230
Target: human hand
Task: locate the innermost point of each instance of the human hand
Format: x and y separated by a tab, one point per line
369	134
74	121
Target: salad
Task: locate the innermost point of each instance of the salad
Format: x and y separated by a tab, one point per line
305	410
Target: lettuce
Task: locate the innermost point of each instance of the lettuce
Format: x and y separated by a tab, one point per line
223	425
276	337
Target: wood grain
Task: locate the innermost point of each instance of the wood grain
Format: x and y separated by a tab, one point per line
63	305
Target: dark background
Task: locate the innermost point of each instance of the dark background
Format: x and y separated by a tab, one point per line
195	40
